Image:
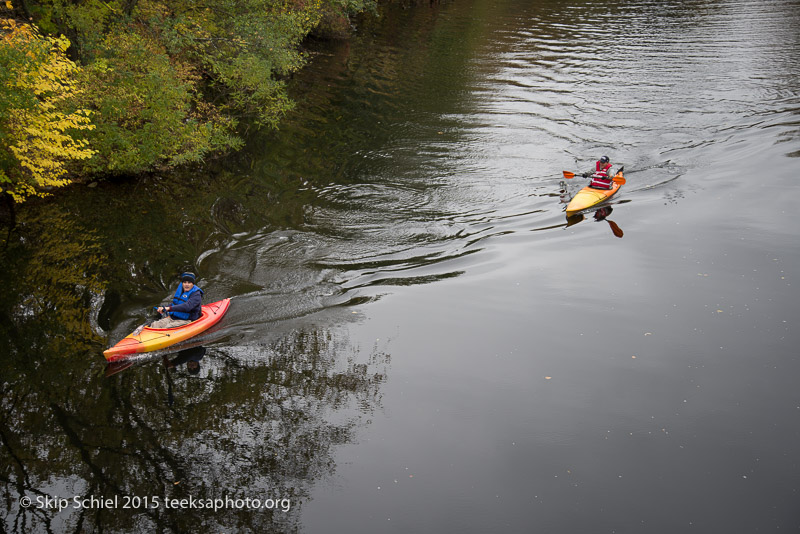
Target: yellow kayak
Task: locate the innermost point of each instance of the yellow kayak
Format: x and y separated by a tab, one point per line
589	196
150	339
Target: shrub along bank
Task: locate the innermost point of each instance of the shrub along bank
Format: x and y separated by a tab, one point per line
121	87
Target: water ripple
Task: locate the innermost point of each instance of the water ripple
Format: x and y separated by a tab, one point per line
440	154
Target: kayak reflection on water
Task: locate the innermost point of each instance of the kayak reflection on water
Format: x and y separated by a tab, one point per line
599	215
113	368
189	356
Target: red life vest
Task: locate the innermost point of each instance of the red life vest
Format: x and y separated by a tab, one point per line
601	179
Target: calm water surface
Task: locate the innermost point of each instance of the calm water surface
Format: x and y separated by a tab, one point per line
419	339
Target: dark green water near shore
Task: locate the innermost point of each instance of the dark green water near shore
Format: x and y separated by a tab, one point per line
419	339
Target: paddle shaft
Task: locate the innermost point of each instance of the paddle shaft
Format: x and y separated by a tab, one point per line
150	321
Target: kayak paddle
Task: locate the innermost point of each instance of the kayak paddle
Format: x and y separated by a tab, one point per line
617	179
146	323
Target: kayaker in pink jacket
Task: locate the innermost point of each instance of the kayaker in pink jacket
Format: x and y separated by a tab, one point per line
602	177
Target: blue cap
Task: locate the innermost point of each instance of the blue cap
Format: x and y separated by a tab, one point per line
187	277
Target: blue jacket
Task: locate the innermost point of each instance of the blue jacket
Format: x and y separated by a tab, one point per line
186	305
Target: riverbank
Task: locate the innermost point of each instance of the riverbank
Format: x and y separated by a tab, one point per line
142	88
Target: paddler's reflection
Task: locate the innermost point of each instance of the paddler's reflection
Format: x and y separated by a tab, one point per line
191	357
599	215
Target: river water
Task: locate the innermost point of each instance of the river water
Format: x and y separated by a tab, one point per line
419	339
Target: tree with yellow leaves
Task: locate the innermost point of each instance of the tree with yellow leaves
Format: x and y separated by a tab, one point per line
38	136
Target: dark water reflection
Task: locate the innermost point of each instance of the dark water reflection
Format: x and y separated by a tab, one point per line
236	427
628	369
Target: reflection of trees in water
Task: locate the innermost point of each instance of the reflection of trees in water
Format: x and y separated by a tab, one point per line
246	426
51	277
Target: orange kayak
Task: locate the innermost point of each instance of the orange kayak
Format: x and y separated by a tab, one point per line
150	339
589	196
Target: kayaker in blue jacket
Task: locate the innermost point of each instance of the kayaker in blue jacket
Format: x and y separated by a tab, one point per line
186	304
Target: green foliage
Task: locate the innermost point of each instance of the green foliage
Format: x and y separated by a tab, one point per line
167	81
146	108
245	48
337	15
86	22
